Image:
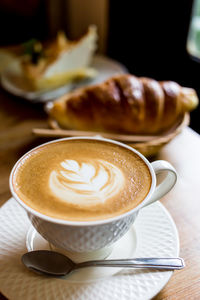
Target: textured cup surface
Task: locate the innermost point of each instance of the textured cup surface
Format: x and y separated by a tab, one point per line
82	238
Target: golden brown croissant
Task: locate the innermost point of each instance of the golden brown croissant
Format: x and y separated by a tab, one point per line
125	104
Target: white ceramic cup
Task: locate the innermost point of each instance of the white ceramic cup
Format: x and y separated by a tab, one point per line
94	236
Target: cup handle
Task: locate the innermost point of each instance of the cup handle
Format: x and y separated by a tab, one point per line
167	183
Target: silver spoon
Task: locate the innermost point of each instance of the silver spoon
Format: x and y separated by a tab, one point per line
57	264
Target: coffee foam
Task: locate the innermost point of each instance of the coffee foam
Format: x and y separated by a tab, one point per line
86	183
82	180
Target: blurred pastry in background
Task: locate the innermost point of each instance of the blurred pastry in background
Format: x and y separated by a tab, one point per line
52	64
125	104
8	55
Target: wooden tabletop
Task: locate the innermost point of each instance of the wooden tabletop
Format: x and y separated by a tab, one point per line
18	117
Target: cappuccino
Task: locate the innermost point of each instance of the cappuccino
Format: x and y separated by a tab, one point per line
81	180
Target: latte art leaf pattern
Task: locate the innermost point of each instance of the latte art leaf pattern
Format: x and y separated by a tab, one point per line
86	182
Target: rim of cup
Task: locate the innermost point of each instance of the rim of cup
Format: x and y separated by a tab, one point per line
83	223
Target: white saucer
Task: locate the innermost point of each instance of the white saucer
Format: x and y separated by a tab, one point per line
156	237
13	82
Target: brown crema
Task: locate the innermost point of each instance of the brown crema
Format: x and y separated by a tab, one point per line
81	180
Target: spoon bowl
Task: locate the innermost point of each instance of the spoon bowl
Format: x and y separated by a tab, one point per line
48	262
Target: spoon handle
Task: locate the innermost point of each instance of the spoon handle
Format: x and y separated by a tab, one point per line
153	263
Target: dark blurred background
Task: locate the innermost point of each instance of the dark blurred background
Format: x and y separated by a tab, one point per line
148	37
